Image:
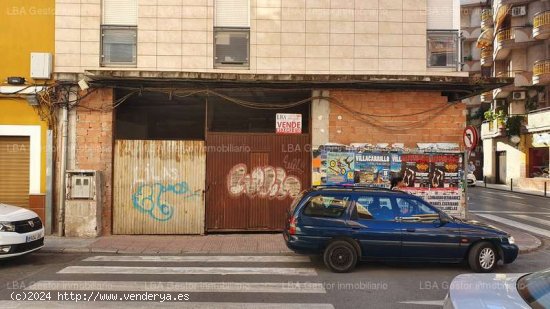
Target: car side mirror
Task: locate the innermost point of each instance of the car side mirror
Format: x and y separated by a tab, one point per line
441	221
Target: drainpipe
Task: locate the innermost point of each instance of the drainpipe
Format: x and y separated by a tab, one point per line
63	169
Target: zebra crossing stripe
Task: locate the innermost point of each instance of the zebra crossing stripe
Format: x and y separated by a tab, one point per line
147	305
283	271
197	258
519	225
188	287
532	219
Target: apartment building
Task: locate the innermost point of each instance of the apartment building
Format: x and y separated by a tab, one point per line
190	103
514	43
27	47
471	14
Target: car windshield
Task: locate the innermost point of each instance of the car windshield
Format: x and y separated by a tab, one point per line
535	289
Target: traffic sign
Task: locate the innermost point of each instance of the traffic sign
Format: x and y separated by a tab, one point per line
471	137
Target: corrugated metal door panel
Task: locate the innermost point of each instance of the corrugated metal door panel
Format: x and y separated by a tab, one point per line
14	170
158	187
252	179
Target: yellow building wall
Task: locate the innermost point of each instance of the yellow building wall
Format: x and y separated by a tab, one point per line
25	26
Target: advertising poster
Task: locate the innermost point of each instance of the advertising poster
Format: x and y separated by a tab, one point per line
448	200
444	171
373	168
340	168
318	164
395	164
415	169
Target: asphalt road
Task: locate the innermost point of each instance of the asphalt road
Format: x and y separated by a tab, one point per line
216	282
526	212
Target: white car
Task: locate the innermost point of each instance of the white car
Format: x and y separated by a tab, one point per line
21	231
471	179
489	291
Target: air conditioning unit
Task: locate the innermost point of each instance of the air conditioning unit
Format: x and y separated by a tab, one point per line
519	11
518	95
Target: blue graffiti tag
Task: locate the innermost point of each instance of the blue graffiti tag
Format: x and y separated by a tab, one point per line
148	199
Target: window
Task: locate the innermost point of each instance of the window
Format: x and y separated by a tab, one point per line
232	33
442	49
414	208
119	33
118	45
326	206
376	208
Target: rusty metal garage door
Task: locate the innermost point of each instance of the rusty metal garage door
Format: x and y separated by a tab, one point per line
158	187
253	178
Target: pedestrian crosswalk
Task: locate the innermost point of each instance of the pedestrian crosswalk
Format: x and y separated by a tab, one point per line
532	222
217	281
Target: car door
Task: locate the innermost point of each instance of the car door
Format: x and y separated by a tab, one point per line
374	226
424	236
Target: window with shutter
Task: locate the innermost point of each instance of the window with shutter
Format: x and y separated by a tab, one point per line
231	33
119	33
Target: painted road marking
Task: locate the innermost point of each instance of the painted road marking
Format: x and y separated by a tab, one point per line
247	259
283	271
521	226
509	212
535	220
194	287
505	194
147	304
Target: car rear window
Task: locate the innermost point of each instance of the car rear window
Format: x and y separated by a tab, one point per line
296	201
326	206
535	289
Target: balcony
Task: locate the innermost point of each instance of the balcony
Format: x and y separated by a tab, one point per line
486	18
538	120
541	72
514	38
486	97
471	66
470	34
491	129
541	25
486	56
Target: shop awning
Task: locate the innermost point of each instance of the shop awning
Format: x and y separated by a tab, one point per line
502	11
454	87
485	38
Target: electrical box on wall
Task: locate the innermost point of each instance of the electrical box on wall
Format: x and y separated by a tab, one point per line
81	185
41	65
83	203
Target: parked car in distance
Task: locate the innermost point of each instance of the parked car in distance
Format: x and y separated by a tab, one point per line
499	291
471	179
351	224
21	231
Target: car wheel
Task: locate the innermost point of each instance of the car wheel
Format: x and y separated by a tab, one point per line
340	256
483	257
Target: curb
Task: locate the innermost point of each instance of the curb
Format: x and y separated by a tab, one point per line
126	252
524	193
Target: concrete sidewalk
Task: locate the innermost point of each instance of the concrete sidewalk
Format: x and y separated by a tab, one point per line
515	189
265	243
272	244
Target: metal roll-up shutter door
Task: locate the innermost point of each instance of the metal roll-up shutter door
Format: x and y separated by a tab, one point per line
14	170
120	12
232	13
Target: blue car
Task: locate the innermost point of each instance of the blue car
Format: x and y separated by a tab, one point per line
351	224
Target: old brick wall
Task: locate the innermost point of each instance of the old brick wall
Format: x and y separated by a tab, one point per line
356	122
94	144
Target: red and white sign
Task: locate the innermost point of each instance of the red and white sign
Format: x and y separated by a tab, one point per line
288	124
470	137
